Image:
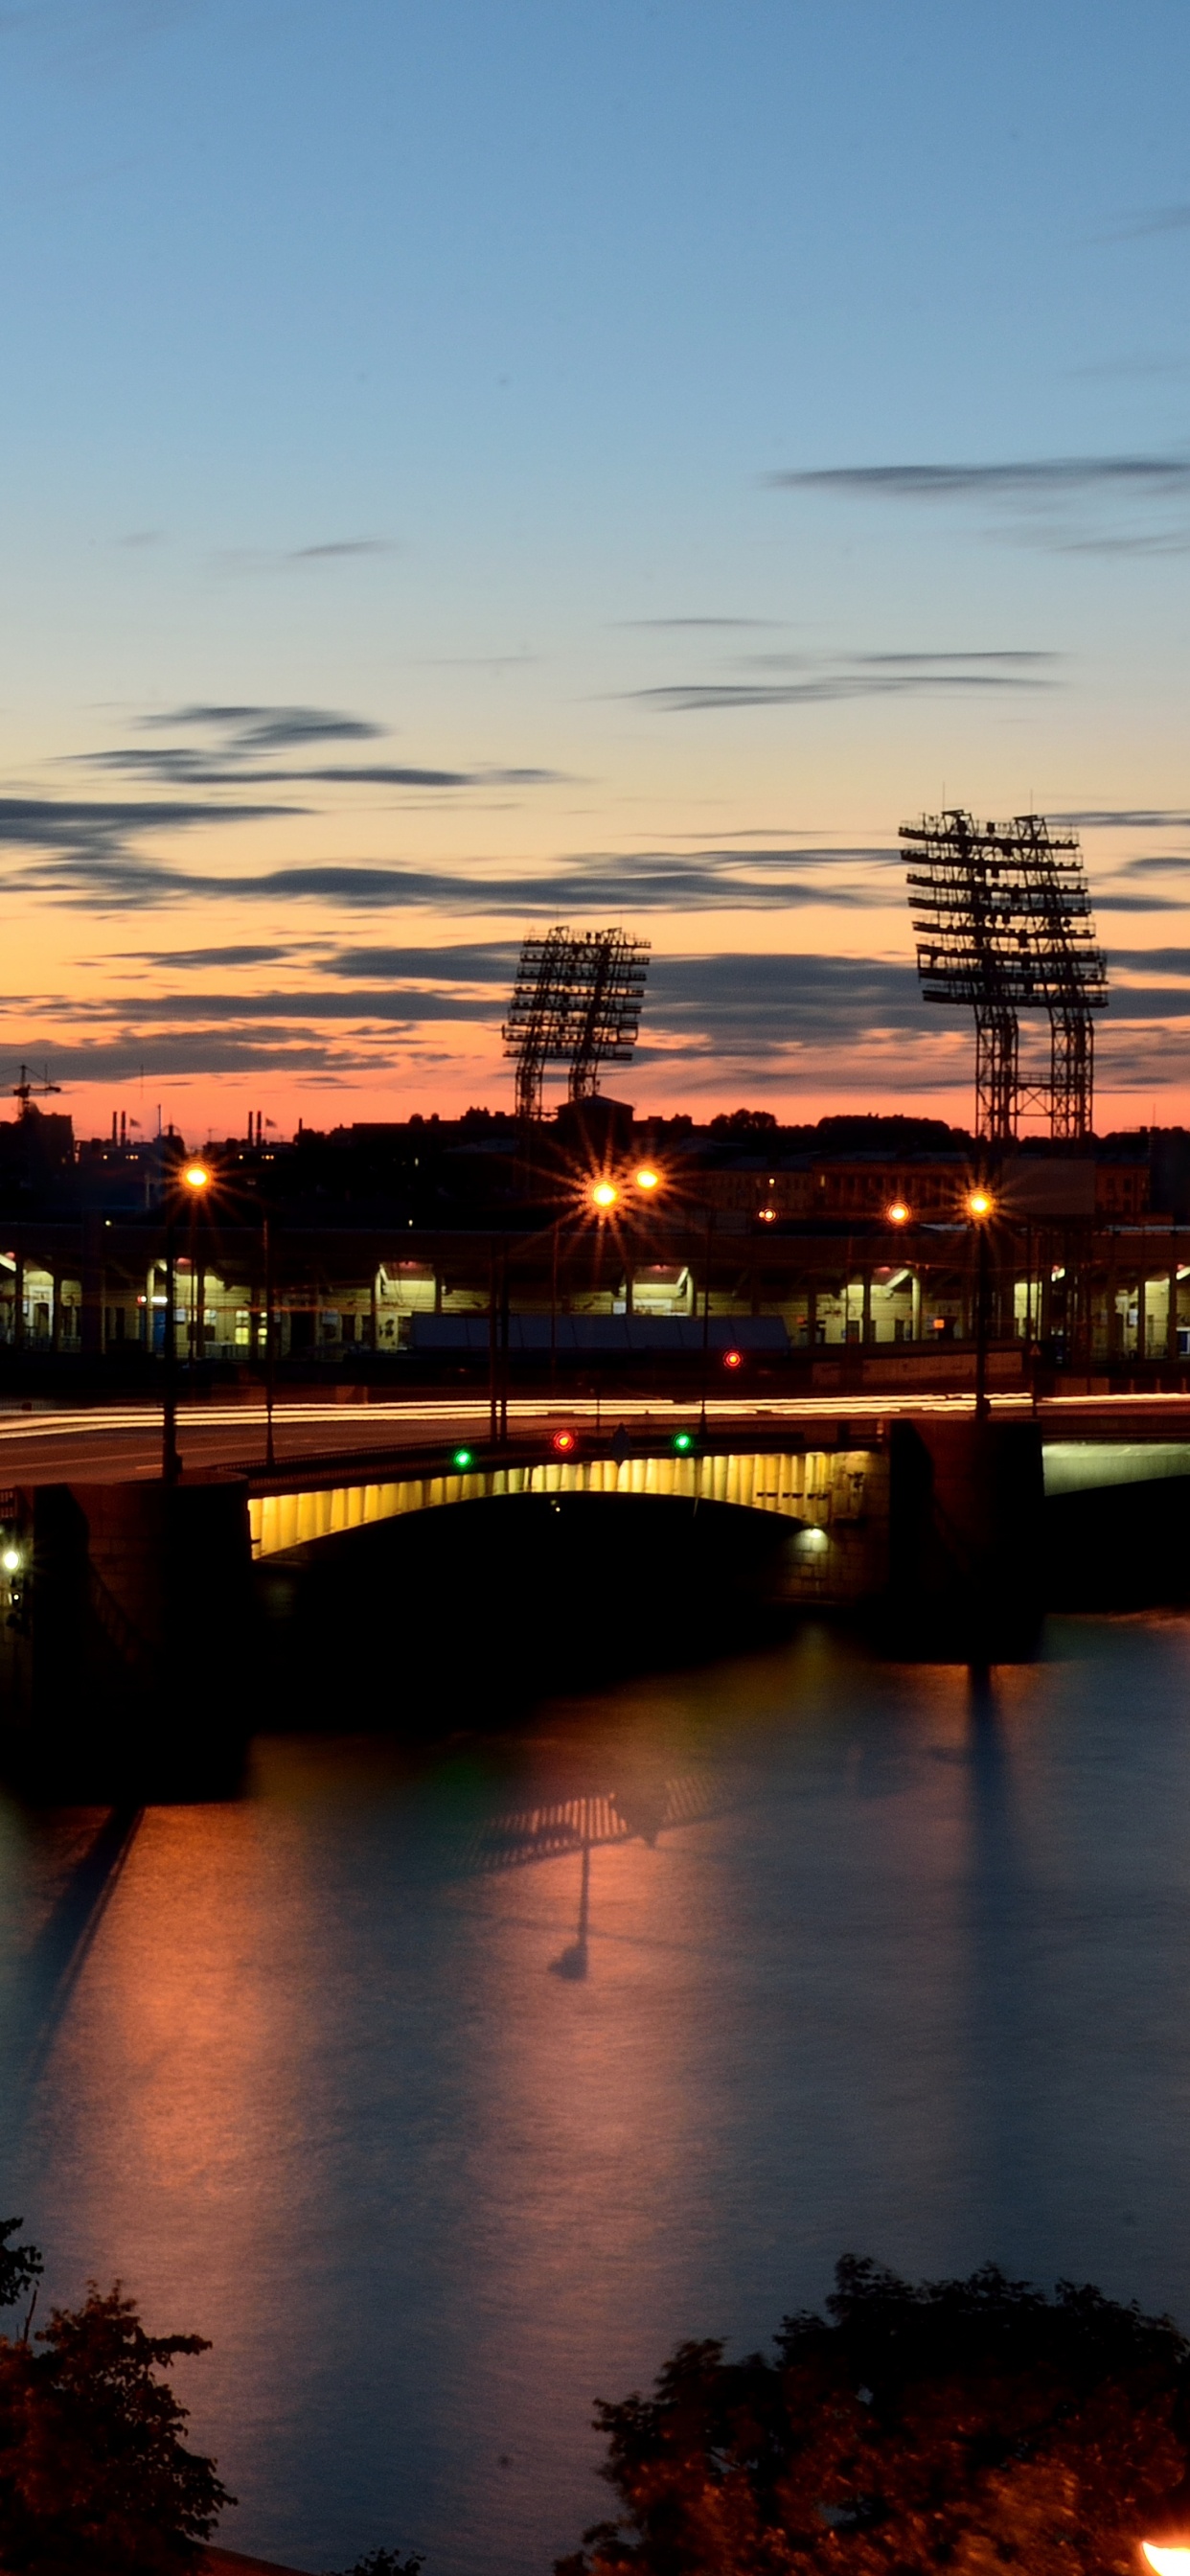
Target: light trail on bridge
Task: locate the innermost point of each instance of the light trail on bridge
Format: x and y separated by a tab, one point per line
122	1442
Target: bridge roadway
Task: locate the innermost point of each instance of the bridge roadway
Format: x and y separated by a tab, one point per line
43	1444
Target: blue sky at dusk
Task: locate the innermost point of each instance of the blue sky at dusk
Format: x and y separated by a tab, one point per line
466	466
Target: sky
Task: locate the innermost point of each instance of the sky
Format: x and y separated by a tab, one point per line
483	463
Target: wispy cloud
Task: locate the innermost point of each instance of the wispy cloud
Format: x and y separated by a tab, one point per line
285	559
336	547
664	625
1105	903
249	730
1023	477
179	766
860	675
1153	961
1135	818
1069	504
237	747
855	1021
201	960
1161	219
86	829
475	962
87	855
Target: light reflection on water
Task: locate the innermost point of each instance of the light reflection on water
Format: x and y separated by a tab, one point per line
350	2077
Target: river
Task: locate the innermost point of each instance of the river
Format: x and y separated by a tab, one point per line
877	1958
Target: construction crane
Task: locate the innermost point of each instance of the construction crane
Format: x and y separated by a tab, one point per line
577	1001
26	1089
1002	913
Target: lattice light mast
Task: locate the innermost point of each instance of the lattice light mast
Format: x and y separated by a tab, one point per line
577	1001
1002	914
1072	971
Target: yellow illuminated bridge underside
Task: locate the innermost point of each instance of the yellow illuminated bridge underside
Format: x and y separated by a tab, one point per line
815	1487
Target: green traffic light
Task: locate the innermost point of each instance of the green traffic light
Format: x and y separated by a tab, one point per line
683	1440
462	1458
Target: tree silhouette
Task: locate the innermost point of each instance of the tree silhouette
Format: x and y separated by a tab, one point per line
971	2425
93	2473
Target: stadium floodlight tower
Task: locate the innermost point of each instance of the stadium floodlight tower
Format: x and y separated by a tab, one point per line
1070	971
1002	914
577	1001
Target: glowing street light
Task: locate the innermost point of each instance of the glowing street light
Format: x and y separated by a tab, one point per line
647	1178
1167	2560
898	1213
11	1560
980	1205
604	1194
196	1178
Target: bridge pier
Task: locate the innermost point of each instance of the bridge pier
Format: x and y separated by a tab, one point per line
966	1552
129	1660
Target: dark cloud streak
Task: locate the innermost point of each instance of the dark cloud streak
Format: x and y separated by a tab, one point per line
1029	477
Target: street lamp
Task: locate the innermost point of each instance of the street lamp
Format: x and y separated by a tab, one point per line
647	1178
981	1207
898	1213
604	1195
1172	2559
196	1178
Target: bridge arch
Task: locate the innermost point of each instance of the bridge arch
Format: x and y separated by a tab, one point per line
831	1500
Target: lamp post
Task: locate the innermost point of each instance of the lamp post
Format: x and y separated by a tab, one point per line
897	1214
981	1207
196	1179
269	1357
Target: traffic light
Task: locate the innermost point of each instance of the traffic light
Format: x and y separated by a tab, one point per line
565	1443
684	1442
733	1359
462	1459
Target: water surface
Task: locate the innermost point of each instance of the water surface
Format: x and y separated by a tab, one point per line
886	1959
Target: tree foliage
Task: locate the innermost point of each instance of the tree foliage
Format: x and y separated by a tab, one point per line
20	2265
972	2425
93	2472
386	2562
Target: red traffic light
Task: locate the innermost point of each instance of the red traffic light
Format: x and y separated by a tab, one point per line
565	1443
733	1359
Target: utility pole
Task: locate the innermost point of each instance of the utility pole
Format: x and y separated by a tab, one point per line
171	1464
269	1381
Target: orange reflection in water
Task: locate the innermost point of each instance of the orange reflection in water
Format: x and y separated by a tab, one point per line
182	2064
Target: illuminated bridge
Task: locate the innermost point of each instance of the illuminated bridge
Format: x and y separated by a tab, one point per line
120	1597
835	1499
